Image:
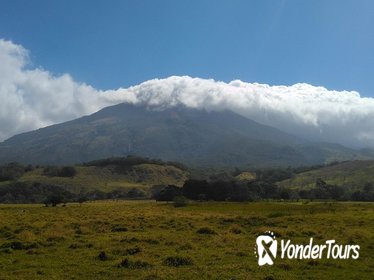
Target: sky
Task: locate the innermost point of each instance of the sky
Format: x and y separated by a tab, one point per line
111	44
304	67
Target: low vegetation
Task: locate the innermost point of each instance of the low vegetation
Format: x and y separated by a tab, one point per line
203	240
139	178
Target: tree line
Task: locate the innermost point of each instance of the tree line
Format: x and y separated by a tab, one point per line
204	190
222	186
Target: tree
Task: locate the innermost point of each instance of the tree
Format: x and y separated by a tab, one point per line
67	171
195	188
168	193
54	171
82	199
368	187
54	199
180	201
135	193
11	171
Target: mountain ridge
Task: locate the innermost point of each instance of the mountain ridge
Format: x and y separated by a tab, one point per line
190	136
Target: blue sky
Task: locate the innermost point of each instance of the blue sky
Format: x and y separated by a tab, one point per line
111	44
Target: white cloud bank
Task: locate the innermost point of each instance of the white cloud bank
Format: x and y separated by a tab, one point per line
34	98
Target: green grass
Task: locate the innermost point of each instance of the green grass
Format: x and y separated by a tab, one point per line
101	178
148	240
352	174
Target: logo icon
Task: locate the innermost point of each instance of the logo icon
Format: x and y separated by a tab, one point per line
266	248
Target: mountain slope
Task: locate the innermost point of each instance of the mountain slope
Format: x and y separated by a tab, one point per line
351	174
106	179
194	137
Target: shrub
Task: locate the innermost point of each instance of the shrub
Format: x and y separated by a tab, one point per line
17	245
54	199
51	171
134	264
119	228
168	193
102	256
133	251
180	201
177	261
54	171
11	171
275	215
81	199
67	171
236	230
205	230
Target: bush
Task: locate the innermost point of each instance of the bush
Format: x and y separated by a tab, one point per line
119	228
67	171
180	201
177	261
102	256
205	230
54	171
11	171
133	251
236	230
168	193
54	199
81	199
134	264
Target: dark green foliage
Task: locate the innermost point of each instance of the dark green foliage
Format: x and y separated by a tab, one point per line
126	263
19	192
123	164
193	189
56	171
54	199
97	195
119	228
168	193
221	187
81	199
205	230
363	196
51	171
215	190
133	251
17	245
274	175
135	193
178	261
67	171
102	256
180	201
258	189
13	171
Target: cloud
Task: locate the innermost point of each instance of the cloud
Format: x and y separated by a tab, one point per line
34	98
304	110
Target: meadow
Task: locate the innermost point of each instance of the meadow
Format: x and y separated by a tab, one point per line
149	240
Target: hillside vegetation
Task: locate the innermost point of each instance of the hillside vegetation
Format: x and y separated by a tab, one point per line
140	178
351	175
94	180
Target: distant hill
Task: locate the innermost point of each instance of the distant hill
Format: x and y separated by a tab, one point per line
129	177
351	175
190	136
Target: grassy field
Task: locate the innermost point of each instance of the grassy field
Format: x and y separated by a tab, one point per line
149	240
